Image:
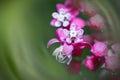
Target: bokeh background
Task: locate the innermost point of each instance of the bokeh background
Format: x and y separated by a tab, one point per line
24	32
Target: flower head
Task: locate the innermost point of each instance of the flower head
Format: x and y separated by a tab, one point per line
63	16
73	35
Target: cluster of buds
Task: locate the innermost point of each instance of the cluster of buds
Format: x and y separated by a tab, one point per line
71	36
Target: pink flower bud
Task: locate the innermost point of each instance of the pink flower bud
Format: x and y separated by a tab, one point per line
99	49
80	23
97	22
112	63
88	8
93	62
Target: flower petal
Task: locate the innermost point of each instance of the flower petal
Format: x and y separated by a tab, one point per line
57	51
61	34
55	15
67	49
68	40
52	41
80	32
60	6
79	23
55	23
65	23
83	44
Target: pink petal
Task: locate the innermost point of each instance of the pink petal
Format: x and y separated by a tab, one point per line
68	40
52	23
74	13
77	51
99	49
52	41
67	49
72	4
79	23
61	34
60	6
83	44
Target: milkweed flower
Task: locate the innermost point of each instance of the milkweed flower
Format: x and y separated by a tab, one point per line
73	35
63	16
73	38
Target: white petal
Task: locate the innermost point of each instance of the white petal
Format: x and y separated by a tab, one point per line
55	15
61	18
65	23
80	32
68	62
66	32
57	51
58	24
78	40
72	27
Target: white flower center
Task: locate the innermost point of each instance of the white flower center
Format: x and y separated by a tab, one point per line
61	17
73	33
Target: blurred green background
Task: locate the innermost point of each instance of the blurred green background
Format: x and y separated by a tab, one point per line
24	32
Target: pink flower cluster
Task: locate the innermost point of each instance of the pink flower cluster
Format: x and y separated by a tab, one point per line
71	35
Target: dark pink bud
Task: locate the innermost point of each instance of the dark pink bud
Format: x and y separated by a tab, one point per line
97	22
99	49
73	67
93	62
77	51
